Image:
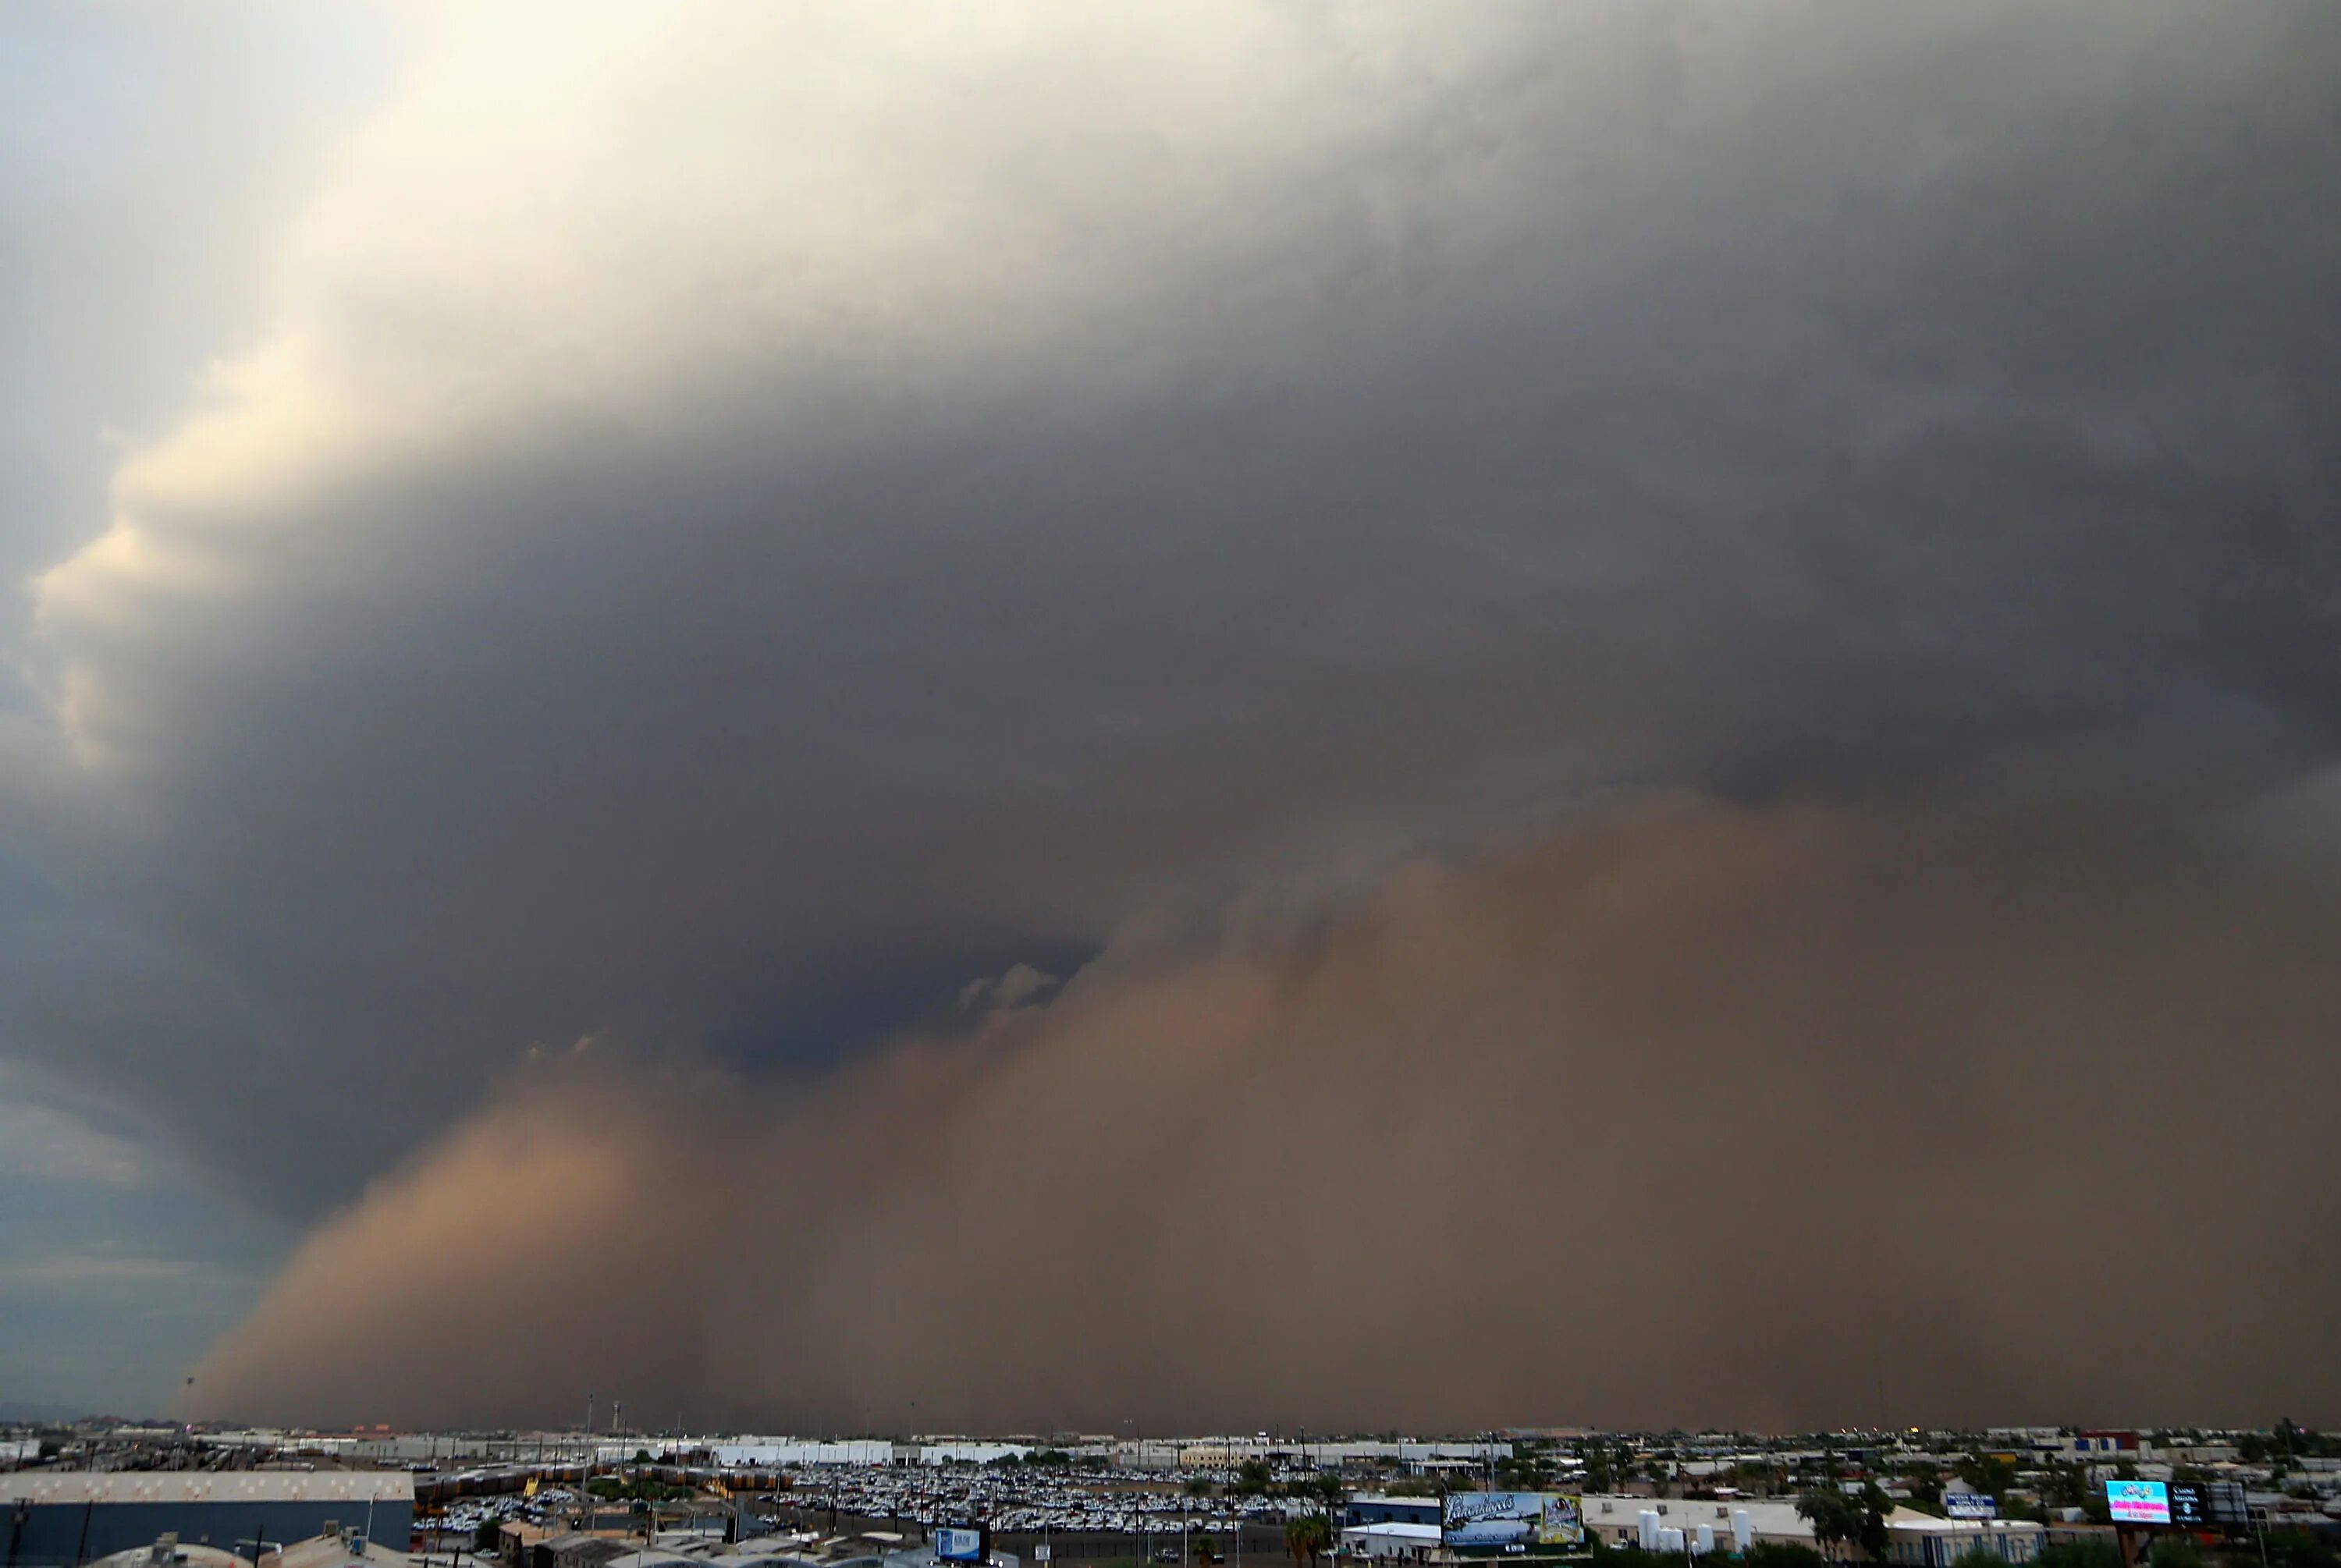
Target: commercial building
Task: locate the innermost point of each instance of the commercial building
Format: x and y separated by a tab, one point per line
65	1517
1392	1542
1375	1508
1917	1539
166	1552
1616	1517
771	1454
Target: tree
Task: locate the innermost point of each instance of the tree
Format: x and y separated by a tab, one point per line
2175	1551
1782	1555
1848	1519
1830	1515
2078	1554
2298	1549
1988	1474
1874	1506
1307	1537
1252	1478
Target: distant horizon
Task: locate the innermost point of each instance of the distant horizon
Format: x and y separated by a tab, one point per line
8	1413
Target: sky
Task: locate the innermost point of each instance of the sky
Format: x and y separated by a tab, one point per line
853	718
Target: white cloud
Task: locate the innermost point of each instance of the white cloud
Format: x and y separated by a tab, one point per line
76	1271
38	1143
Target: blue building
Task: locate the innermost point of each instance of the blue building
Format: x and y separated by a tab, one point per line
61	1518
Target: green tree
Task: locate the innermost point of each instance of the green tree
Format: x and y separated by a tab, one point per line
1308	1536
1851	1520
1252	1478
2299	1549
2175	1552
2079	1554
1988	1475
1783	1554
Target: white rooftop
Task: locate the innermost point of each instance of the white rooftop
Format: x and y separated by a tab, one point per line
1395	1530
82	1486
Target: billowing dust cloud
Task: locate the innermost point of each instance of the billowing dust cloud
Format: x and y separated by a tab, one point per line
1708	1114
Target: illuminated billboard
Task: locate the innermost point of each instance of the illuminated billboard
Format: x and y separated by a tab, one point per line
2138	1501
1499	1519
955	1544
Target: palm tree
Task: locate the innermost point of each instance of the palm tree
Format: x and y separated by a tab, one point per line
1307	1537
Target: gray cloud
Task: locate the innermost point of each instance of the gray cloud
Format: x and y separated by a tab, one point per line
730	536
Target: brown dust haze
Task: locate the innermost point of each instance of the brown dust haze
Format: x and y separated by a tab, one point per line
1772	1118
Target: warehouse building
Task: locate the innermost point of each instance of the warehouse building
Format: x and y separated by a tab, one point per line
1377	1508
1617	1519
1919	1541
1394	1542
61	1517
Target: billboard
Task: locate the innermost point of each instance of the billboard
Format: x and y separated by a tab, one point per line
957	1544
2208	1505
1494	1519
1970	1505
2230	1509
2138	1501
1563	1523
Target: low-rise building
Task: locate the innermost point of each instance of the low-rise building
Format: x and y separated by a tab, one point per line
69	1516
1616	1517
1916	1540
1394	1541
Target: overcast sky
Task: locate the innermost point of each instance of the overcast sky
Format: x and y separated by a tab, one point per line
728	548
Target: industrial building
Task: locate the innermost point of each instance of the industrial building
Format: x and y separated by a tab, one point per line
1396	1542
1618	1519
1917	1539
65	1517
1375	1508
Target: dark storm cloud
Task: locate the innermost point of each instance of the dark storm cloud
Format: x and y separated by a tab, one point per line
734	538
